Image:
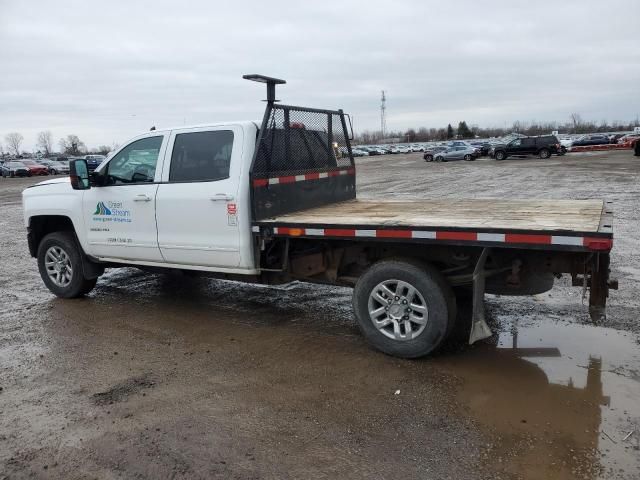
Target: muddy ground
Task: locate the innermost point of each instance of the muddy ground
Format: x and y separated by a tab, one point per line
169	377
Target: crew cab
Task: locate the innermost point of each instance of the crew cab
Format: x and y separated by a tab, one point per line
276	202
542	146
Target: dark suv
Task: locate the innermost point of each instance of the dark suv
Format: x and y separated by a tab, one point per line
542	146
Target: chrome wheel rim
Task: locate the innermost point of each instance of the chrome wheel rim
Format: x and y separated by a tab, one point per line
58	265
398	310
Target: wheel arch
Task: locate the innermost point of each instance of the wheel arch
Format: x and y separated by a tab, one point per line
41	225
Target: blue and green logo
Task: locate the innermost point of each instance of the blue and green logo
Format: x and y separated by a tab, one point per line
102	209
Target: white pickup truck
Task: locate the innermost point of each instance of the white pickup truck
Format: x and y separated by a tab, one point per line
277	202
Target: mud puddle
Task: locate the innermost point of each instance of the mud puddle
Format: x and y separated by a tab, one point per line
561	399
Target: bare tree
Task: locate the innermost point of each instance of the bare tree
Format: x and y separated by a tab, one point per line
14	140
103	149
72	145
45	142
576	119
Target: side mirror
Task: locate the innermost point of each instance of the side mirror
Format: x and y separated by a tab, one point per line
79	174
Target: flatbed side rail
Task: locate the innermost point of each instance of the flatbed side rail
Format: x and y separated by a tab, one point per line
302	160
533	239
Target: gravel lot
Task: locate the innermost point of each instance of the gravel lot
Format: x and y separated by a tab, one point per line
160	376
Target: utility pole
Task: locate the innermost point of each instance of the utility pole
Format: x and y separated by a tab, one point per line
383	115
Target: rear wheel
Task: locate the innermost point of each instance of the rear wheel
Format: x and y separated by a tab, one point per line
404	308
500	155
544	153
60	265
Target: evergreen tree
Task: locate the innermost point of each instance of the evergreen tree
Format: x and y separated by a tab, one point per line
449	131
463	130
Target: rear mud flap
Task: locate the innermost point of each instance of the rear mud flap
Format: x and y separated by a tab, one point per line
479	327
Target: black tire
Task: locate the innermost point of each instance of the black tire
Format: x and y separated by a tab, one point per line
500	156
544	153
437	295
78	285
53	171
468	158
428	158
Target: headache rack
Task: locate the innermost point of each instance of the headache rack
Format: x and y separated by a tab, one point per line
302	158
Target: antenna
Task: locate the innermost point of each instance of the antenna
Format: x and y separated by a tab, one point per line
271	84
383	115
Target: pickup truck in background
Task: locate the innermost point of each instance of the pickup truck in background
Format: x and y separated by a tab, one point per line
276	202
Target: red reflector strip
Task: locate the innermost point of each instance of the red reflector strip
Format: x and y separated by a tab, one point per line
393	234
535	239
339	232
288	179
469	236
598	243
263	182
591	243
292	232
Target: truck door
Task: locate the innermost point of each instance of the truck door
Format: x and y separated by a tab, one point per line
120	215
528	146
196	203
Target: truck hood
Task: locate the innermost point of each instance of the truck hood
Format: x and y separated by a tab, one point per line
52	182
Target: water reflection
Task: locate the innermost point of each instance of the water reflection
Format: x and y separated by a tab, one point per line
561	398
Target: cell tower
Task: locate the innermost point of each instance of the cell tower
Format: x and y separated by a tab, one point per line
383	115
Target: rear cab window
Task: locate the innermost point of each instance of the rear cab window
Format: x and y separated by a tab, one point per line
201	156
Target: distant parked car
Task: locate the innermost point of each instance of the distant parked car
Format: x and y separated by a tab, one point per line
431	151
54	167
457	153
403	149
594	139
484	147
14	169
94	161
542	146
629	138
35	168
359	153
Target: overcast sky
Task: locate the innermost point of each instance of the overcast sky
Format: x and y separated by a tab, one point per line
108	70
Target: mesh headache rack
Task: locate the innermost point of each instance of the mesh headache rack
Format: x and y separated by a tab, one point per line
302	158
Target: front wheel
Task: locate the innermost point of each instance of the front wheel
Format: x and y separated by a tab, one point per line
500	155
428	158
467	158
544	153
404	308
60	265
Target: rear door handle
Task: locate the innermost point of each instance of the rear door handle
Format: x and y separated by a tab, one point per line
221	197
142	198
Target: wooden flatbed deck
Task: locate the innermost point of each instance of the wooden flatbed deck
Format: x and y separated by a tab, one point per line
565	224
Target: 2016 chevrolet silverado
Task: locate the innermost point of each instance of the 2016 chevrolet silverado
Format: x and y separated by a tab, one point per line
277	202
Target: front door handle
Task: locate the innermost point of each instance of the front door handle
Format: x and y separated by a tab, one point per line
221	197
142	198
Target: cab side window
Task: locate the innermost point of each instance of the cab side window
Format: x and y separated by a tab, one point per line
201	156
136	163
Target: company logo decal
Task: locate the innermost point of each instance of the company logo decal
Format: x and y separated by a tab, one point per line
111	212
101	209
